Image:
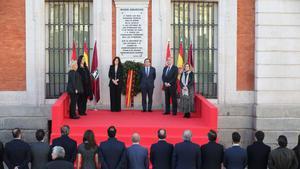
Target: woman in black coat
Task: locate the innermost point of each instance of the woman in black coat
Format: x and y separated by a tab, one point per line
115	75
74	88
86	83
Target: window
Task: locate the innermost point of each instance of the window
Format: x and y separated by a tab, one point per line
196	22
66	21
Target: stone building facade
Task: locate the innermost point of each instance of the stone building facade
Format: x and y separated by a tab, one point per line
256	59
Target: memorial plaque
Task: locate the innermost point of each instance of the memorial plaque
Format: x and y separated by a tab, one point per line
132	33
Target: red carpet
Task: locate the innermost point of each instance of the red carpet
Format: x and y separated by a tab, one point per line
129	121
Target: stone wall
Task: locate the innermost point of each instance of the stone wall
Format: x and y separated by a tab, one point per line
278	69
27	118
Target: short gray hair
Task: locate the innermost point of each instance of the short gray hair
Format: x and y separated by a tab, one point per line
135	138
187	135
58	151
73	62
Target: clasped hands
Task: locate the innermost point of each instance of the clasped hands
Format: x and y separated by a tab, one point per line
115	81
167	84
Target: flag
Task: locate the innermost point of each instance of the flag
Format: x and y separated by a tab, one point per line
168	53
180	56
191	60
85	54
190	56
95	75
179	64
74	57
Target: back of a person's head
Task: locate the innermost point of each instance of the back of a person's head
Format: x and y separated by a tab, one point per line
89	139
135	138
212	135
58	152
282	141
79	60
187	135
39	134
260	135
65	130
236	137
16	133
162	134
111	132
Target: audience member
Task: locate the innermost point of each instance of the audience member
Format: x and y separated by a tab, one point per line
39	151
235	157
282	157
112	153
137	155
87	157
258	153
161	152
69	145
1	155
186	155
58	155
17	152
297	151
212	153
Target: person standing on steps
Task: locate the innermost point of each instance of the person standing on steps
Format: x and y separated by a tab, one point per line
147	77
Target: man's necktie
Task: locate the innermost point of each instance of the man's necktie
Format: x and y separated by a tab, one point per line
168	70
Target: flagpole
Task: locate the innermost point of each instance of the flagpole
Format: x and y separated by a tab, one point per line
95	102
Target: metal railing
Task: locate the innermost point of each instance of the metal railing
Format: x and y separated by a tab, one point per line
66	21
196	22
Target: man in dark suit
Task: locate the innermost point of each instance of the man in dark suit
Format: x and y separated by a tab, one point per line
112	153
59	162
212	153
282	157
39	151
161	152
147	77
235	157
137	156
169	79
186	155
17	152
258	153
69	145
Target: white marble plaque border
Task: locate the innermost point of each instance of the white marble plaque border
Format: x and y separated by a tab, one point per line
122	4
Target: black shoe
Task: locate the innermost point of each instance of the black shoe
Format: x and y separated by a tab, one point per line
166	113
188	115
185	115
143	110
149	110
174	114
74	117
82	114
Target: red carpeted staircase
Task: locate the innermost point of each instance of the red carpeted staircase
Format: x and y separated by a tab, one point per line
129	121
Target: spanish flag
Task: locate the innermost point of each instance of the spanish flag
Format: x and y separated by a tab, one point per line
85	54
179	65
180	56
